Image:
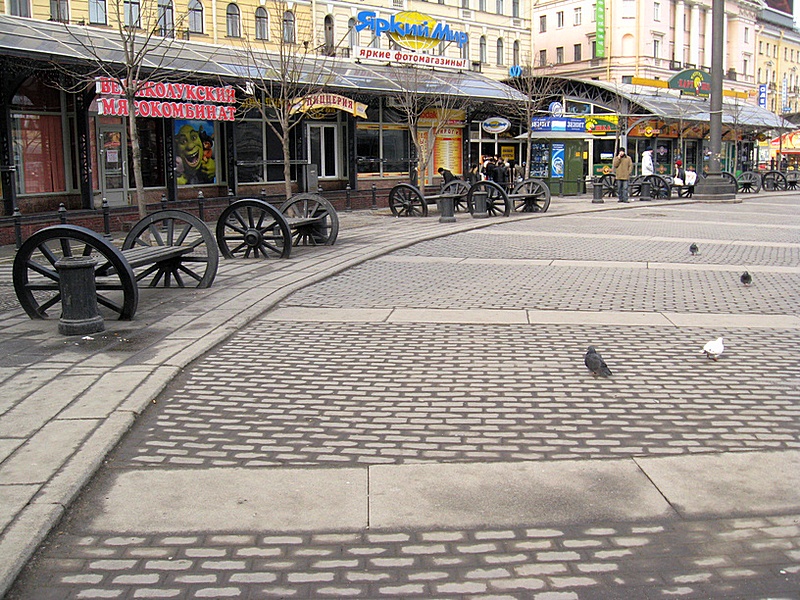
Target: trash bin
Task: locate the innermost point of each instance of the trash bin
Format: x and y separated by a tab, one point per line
310	178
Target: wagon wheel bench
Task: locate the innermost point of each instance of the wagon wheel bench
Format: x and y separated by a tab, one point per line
407	200
167	248
530	195
253	228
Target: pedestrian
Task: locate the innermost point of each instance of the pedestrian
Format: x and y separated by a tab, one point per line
690	178
491	170
623	167
679	175
474	175
647	162
446	174
501	174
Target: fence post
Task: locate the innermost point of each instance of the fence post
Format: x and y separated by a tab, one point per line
17	227
62	213
201	205
374	197
106	220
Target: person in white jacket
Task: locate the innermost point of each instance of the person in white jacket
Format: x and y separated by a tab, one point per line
647	162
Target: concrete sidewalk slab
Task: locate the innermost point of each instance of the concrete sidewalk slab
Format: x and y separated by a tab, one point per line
443	315
733	483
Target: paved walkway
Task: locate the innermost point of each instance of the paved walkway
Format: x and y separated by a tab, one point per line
421	424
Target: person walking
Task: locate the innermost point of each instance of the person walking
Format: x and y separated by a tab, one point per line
647	162
446	174
623	167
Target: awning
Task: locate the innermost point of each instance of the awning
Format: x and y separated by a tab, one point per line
76	44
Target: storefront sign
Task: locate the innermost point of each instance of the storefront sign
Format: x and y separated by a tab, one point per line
601	124
334	101
496	125
692	82
600	31
555	124
762	95
410	29
163	106
407	57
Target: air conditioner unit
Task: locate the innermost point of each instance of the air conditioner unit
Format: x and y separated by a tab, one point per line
466	14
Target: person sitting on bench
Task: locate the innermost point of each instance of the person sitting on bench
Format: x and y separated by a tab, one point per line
446	174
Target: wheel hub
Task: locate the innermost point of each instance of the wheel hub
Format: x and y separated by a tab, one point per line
253	237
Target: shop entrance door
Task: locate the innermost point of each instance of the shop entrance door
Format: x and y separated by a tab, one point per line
322	144
113	144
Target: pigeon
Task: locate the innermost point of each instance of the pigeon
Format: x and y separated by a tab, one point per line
746	279
693	249
595	363
714	348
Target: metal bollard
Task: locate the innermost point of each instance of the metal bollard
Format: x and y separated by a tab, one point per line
597	193
231	197
347	201
17	227
201	205
560	187
263	194
446	209
163	202
374	197
62	213
79	313
479	210
645	195
106	220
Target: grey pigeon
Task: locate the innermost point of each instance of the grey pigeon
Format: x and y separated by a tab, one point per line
746	278
595	363
693	249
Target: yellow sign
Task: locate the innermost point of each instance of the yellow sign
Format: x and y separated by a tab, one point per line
319	101
507	152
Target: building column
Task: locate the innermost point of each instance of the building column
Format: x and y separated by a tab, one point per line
709	38
680	33
694	36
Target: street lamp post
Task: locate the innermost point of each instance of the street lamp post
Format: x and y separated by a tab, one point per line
714	188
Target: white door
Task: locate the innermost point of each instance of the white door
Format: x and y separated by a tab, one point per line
322	144
113	148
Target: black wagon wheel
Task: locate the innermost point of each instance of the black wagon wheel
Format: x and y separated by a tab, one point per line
497	201
773	181
729	177
792	180
37	282
635	186
318	221
748	182
175	228
405	200
659	187
458	188
609	184
534	196
252	228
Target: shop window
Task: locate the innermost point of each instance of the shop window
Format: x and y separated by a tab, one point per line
19	8
132	13
151	147
233	21
483	49
250	151
59	11
166	18
195	16
289	35
97	12
262	23
500	53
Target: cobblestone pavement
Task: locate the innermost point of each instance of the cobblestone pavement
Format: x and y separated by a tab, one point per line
327	395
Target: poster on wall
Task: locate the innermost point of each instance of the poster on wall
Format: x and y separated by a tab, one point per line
449	150
194	152
557	161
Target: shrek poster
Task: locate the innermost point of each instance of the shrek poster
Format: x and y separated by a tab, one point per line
194	152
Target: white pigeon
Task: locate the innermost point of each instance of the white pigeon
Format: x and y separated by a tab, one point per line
714	348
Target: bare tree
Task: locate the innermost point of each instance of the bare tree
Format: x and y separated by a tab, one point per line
286	66
145	32
538	87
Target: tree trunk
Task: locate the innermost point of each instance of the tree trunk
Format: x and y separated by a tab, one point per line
287	167
136	152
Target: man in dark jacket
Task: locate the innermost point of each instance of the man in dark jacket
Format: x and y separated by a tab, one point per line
623	167
446	174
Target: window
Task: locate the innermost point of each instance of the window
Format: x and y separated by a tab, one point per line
330	44
542	58
785	54
500	53
482	57
560	55
499	7
576	50
594	13
352	34
745	66
262	23
656	11
166	18
465	4
132	15
97	12
760	47
195	16
656	48
594	48
20	8
542	23
482	5
578	16
628	9
233	21
559	19
746	35
59	11
288	27
465	50
515	51
515	9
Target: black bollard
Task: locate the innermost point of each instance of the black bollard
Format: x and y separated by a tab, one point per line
347	201
264	194
62	213
79	314
106	220
645	195
163	202
597	193
479	209
17	227
201	205
231	197
374	197
446	209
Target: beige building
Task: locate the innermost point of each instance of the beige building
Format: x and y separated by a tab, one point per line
778	63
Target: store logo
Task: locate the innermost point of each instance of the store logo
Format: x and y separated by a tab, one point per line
410	29
496	125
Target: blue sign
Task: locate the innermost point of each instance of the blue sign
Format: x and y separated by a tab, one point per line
762	95
557	160
558	124
515	71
